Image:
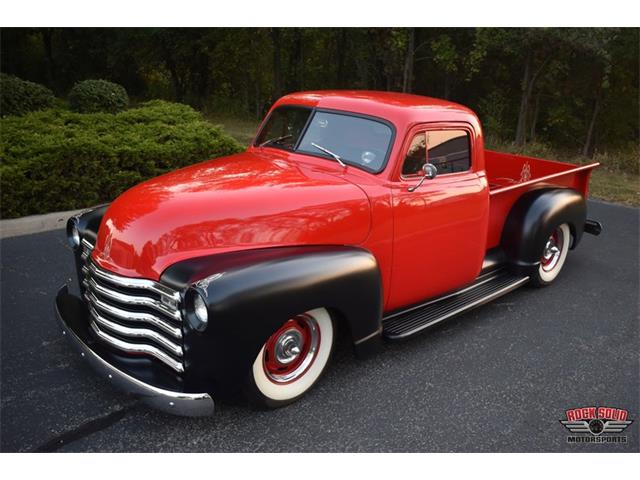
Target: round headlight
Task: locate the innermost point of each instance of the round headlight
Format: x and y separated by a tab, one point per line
199	315
73	234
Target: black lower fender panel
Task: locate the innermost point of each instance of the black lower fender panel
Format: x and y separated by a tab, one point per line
252	293
532	220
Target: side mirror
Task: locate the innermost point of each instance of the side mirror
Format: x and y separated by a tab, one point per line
429	171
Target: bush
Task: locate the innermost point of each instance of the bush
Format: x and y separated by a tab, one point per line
60	160
18	97
92	96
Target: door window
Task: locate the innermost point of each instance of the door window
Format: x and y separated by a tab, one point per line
448	150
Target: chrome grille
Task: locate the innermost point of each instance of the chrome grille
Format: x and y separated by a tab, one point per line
133	315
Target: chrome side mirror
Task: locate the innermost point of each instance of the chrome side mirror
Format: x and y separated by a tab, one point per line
429	172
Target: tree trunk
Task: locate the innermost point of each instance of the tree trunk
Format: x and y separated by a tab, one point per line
178	90
534	119
528	82
277	62
447	86
588	148
407	80
258	101
524	103
175	80
203	81
301	61
47	40
295	62
169	62
341	55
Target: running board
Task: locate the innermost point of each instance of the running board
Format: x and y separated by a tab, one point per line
486	288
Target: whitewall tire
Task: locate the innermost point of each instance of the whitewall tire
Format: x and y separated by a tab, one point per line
292	359
553	256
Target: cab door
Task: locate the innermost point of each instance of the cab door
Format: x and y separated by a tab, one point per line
440	228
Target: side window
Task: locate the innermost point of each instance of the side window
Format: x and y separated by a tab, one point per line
416	156
448	150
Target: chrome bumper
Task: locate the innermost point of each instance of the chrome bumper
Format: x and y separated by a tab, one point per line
177	403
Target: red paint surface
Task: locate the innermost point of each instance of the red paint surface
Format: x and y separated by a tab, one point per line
426	242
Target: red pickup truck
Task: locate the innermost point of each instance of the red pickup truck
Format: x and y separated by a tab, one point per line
377	210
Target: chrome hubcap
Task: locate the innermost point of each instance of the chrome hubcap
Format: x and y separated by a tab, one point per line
288	347
552	251
290	351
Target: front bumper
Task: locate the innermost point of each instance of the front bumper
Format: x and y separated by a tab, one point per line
170	401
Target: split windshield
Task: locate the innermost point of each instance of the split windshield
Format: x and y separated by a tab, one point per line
340	137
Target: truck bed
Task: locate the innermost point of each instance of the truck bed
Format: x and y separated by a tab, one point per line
510	176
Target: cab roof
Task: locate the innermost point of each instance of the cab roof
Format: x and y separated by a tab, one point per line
400	108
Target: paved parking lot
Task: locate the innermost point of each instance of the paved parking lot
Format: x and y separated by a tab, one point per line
496	379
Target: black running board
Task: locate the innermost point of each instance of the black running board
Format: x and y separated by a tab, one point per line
486	288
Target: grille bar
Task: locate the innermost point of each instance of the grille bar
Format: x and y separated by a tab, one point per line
136	283
132	299
137	348
133	315
136	333
139	317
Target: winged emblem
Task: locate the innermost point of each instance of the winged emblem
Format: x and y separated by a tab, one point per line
596	426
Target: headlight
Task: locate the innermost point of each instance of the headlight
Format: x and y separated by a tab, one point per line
198	314
73	234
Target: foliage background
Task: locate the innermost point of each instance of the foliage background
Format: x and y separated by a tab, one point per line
57	160
576	88
568	93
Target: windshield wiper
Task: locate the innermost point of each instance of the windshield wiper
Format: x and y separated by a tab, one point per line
329	152
275	140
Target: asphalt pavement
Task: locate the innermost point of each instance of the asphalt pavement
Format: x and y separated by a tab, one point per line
496	379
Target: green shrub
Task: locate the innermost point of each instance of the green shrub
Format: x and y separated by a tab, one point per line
18	97
92	96
60	160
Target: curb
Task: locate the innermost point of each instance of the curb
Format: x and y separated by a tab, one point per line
15	227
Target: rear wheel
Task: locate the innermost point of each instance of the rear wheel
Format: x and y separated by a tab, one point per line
553	256
292	359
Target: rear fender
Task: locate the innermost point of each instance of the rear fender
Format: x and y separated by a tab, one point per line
533	218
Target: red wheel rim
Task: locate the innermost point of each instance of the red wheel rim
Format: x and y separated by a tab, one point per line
552	251
291	350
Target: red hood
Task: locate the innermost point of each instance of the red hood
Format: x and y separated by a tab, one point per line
231	203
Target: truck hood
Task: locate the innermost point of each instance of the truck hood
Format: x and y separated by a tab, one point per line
238	202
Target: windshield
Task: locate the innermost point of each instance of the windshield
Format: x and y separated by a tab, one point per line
355	140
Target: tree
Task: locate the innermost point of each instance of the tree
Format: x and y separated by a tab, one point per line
407	79
573	88
599	48
277	62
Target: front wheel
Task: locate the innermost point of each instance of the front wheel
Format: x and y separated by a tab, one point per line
553	256
292	359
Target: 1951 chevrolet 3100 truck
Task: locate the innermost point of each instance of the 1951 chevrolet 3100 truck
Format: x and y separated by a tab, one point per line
379	210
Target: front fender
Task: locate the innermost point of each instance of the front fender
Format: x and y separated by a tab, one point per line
252	293
89	222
